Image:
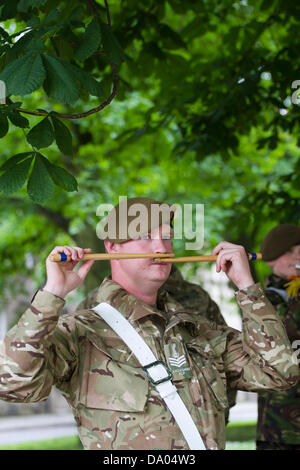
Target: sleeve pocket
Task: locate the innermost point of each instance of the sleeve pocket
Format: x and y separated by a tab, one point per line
216	385
209	376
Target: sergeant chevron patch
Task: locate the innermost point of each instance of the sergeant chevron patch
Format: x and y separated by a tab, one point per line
177	359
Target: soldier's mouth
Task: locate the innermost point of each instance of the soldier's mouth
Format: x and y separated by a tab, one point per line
158	263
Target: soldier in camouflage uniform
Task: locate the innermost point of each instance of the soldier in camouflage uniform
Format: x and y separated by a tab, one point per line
278	424
114	404
193	298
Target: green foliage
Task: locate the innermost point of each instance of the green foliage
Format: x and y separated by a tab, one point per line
57	51
24	75
42	177
15	172
111	45
60	176
41	135
40	185
90	41
61	83
3	125
203	114
62	136
212	72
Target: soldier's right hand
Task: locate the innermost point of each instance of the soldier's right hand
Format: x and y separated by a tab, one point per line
61	277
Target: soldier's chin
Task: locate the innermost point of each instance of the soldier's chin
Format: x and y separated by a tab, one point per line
162	270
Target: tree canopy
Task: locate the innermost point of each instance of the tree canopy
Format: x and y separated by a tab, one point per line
192	101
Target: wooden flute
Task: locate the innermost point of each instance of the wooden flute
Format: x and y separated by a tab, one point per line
182	259
160	257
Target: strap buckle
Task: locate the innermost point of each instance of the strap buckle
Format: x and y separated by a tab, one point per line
163	368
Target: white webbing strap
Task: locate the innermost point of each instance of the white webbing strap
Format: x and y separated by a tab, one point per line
157	372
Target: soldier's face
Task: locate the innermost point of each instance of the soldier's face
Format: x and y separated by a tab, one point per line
285	265
145	269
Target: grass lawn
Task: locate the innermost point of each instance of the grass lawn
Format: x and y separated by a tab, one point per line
60	443
239	436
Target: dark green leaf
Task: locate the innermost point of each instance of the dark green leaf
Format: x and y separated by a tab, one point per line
111	45
40	186
24	75
13	105
51	17
61	177
170	39
14	178
25	5
17	119
89	83
64	48
63	136
9	9
4	34
13	161
3	125
61	83
33	22
90	41
41	135
28	43
92	86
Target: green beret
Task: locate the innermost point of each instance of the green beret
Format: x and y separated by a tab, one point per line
279	240
134	217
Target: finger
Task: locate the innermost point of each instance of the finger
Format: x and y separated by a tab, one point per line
79	252
84	269
76	253
237	254
225	245
221	246
224	257
60	249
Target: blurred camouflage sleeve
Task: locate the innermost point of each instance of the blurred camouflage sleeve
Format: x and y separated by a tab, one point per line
32	357
260	357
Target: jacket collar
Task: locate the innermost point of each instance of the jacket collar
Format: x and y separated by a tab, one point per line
134	308
275	281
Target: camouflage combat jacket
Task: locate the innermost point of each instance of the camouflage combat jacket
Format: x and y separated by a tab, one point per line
193	298
279	412
114	405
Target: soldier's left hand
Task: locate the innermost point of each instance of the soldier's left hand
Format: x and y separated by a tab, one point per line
232	259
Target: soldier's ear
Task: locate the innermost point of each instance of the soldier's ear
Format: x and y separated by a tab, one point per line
109	246
112	247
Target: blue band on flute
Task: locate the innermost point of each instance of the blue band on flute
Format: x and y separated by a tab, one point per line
63	257
252	256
